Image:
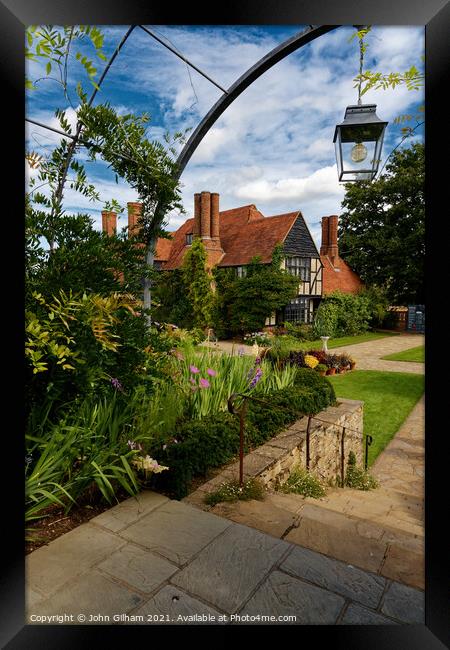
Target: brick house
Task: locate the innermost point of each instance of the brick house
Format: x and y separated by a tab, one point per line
233	237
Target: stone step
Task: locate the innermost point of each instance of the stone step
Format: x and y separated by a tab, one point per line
378	546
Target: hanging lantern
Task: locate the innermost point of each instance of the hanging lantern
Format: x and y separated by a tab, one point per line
358	141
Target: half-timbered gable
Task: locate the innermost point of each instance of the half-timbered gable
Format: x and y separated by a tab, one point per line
232	238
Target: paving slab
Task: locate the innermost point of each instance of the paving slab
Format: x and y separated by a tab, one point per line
282	595
176	531
227	570
48	568
339	542
130	510
404	603
262	515
345	579
92	594
404	564
175	607
357	615
138	568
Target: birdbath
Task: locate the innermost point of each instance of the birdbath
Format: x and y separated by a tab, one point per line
324	340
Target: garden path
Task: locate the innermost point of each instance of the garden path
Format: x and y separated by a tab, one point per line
368	355
381	530
151	560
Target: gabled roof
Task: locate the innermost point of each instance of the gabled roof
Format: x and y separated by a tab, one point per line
244	233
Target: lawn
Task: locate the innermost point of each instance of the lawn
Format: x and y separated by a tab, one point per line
413	354
337	343
388	399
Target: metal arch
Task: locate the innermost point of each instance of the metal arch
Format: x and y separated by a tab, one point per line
269	60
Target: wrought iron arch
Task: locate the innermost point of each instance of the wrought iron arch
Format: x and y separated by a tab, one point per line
268	61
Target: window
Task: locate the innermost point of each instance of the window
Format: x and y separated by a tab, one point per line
241	271
299	266
298	311
189	238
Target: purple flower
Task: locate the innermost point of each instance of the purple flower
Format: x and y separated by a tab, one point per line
116	384
241	351
256	378
194	370
211	372
204	383
257	361
192	380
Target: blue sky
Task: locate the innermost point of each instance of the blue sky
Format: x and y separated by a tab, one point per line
274	145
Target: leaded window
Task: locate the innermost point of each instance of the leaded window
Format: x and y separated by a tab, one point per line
189	238
241	271
298	311
300	267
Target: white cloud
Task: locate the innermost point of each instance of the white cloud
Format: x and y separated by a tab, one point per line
273	145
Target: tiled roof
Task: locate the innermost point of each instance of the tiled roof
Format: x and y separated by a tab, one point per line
242	240
340	276
163	247
244	233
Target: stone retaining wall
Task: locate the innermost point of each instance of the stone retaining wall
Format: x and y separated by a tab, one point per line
273	461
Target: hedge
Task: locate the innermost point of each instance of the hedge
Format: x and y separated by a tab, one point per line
214	440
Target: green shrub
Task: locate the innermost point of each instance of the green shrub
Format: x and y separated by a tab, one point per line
252	488
358	478
213	440
302	331
196	446
301	481
344	314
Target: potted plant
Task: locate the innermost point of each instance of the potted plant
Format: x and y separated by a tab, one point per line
322	369
332	363
342	363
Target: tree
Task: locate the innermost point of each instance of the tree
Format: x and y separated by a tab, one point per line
197	281
382	228
243	304
120	140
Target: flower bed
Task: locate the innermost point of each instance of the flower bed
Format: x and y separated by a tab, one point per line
213	440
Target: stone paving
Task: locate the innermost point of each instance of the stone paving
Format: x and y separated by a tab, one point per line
367	355
380	530
151	560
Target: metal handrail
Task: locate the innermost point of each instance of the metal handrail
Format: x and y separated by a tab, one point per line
242	412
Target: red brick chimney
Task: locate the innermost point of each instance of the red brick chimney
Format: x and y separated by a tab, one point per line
207	225
197	210
205	215
134	212
329	237
109	222
324	245
215	235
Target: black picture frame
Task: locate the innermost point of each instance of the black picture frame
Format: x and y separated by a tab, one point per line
15	15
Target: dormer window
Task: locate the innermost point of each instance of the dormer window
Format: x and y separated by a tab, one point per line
188	238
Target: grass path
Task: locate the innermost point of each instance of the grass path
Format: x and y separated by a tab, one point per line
413	354
388	399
